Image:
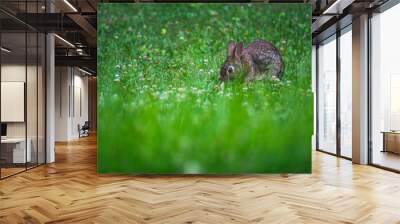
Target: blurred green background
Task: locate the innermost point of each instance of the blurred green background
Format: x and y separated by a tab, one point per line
159	110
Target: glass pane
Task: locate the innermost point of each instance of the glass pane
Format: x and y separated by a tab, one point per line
31	97
346	93
31	88
41	99
386	89
13	86
327	96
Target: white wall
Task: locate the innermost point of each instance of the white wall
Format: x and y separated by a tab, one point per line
80	102
71	93
62	82
13	72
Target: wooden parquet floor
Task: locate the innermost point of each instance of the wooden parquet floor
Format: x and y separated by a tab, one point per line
70	191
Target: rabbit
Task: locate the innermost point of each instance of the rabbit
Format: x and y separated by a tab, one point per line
260	59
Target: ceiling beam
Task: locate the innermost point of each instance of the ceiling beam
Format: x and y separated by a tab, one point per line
81	61
49	22
86	26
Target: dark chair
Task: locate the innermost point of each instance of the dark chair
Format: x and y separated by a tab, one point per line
84	130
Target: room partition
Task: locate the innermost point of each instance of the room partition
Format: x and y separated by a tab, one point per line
22	77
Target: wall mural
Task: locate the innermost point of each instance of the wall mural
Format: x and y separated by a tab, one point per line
204	88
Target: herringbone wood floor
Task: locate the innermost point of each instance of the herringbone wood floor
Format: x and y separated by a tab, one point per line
70	191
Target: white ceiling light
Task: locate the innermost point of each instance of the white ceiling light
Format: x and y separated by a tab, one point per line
65	41
5	50
70	5
84	71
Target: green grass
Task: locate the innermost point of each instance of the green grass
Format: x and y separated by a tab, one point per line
159	109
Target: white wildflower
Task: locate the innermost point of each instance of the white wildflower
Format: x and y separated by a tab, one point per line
163	96
117	77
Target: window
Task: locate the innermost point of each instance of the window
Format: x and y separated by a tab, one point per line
385	89
327	95
346	92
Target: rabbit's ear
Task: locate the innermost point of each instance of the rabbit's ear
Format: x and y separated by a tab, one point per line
231	49
238	50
